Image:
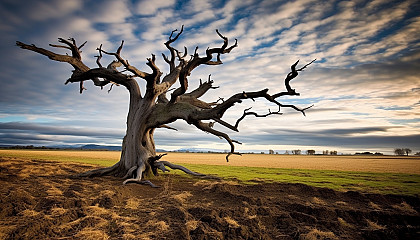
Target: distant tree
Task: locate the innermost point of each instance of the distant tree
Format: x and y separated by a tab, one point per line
296	152
325	152
417	153
399	151
310	152
270	151
407	151
333	152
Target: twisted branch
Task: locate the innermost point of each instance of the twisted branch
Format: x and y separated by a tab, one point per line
196	61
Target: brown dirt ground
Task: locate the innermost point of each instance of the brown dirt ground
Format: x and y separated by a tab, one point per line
39	200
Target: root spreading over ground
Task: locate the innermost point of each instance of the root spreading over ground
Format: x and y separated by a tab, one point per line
40	201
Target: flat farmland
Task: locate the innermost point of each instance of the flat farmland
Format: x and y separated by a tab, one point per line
375	174
384	164
251	197
379	164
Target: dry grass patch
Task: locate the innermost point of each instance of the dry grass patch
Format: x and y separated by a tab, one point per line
405	208
231	222
374	226
88	223
343	223
29	213
40	171
318	201
5	231
341	203
132	203
182	197
92	234
316	234
158	225
53	191
97	211
107	193
192	225
375	206
58	211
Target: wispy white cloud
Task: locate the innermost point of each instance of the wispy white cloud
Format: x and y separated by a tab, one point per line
145	7
51	9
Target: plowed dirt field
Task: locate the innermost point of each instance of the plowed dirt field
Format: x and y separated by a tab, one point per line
40	200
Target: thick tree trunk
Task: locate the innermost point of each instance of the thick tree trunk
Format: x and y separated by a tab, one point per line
137	148
138	145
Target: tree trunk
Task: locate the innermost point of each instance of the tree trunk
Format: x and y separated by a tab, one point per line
138	144
137	147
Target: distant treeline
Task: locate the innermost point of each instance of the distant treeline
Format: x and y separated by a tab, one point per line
27	147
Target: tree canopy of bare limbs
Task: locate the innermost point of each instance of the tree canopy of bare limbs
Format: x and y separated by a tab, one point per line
155	107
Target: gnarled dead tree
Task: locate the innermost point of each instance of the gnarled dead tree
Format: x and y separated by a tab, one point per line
153	108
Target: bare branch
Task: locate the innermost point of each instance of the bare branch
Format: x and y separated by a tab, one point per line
99	57
153	78
223	123
124	62
108	74
81	87
173	51
202	88
114	65
83	44
112	84
72	45
196	61
168	127
246	113
75	62
60	46
301	69
207	128
290	76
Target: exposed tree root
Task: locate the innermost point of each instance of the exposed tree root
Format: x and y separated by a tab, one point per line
144	182
139	173
100	172
135	173
130	172
161	165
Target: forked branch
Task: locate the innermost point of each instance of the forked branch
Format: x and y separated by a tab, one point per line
290	76
217	112
124	62
196	61
246	113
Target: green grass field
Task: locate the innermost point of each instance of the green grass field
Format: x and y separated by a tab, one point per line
367	182
362	181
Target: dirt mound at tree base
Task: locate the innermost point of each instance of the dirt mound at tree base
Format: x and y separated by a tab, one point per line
40	201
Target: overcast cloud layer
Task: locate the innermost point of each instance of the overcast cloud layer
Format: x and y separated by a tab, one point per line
365	84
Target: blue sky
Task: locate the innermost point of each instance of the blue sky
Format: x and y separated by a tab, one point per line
365	86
